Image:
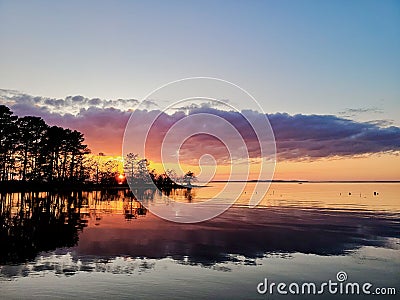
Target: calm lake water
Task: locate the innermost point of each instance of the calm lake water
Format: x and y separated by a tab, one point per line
98	245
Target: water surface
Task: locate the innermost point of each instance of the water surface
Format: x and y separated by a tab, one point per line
102	244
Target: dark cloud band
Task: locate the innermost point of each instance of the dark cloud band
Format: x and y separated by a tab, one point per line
297	136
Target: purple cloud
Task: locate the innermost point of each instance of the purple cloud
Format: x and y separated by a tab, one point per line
317	136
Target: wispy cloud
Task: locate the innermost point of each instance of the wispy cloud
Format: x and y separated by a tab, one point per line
353	112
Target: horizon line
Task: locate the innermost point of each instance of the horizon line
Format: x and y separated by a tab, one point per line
312	181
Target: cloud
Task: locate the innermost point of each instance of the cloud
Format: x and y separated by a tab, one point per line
381	123
103	127
68	105
318	136
149	104
353	112
298	137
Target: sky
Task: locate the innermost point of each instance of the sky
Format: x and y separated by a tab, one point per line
302	58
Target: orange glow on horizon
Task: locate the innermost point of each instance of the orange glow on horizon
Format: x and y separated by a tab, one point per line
373	167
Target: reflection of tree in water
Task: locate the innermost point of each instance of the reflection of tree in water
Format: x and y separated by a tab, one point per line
187	194
144	195
133	209
34	222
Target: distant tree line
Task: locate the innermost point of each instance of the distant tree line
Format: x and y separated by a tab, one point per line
31	150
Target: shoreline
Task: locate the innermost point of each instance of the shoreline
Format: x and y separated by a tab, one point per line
21	187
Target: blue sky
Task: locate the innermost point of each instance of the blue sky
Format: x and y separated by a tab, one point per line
321	57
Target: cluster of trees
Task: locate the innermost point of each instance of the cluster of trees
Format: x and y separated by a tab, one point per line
103	170
31	150
138	173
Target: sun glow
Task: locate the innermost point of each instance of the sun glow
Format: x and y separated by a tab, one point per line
372	167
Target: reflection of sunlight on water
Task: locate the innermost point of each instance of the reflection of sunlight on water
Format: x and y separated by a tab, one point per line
341	196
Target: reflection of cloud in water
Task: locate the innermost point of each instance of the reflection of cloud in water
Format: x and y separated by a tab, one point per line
240	231
97	238
238	237
68	265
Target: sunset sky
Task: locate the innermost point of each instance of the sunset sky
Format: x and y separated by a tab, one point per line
327	73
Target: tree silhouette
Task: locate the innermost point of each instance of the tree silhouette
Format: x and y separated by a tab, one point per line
8	135
51	151
31	133
30	150
188	178
130	162
76	151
